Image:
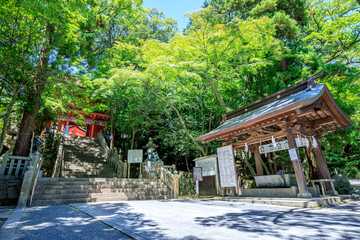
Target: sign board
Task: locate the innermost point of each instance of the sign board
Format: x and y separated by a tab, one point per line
135	156
197	172
226	166
293	154
208	166
283	145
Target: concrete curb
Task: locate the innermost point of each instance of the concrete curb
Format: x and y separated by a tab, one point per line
289	202
8	229
102	219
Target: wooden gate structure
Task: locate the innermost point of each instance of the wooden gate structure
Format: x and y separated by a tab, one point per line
305	108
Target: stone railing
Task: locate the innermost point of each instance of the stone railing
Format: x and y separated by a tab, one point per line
112	157
13	167
103	143
30	180
170	180
56	173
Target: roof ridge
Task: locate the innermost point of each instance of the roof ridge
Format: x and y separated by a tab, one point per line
302	85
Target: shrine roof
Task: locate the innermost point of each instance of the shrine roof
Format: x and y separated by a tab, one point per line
289	99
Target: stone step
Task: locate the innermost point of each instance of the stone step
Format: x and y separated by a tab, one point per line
95	186
102	190
96	180
84	200
89	172
57	191
88	166
103	182
132	194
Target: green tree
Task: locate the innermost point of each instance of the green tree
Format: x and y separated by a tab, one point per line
48	37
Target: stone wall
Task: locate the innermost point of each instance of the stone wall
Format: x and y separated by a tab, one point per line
9	192
187	185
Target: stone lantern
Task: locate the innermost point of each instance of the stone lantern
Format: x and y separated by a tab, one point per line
153	158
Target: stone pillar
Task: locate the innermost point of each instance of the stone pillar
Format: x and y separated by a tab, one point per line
299	172
27	183
259	168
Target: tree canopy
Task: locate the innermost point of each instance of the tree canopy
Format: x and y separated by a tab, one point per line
133	64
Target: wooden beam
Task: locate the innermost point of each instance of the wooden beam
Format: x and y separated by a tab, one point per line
317	123
263	138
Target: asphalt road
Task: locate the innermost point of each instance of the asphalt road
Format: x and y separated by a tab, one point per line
188	219
62	222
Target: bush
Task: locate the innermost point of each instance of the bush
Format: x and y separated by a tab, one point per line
342	184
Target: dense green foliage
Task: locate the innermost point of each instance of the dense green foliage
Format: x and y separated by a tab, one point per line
155	82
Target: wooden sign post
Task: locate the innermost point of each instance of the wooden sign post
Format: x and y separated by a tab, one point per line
197	174
135	156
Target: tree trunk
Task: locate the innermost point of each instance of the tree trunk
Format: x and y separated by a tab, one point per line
27	126
7	117
181	121
133	138
112	132
265	167
283	65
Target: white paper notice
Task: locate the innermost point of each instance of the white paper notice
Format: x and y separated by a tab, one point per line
293	154
226	166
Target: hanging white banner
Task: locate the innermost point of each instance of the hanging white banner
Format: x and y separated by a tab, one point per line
283	145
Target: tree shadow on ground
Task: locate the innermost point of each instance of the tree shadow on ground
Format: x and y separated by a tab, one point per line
353	206
293	224
127	218
62	222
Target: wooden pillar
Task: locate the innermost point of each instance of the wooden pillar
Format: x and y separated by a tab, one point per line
299	172
92	130
321	166
259	168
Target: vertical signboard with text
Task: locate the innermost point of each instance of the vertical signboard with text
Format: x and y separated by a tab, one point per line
226	167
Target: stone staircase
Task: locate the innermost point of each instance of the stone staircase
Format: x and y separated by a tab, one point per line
61	191
84	158
86	177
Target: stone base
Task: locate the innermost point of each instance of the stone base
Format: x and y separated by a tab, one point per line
9	191
270	192
304	195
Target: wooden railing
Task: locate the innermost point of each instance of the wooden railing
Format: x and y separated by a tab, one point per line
13	167
56	173
171	181
112	157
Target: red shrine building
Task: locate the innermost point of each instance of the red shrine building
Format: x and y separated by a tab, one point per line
77	123
95	123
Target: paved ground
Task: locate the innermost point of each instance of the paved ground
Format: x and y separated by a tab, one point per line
5	213
188	219
193	219
62	222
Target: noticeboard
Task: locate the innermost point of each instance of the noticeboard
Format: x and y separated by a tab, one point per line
135	156
208	166
197	173
226	166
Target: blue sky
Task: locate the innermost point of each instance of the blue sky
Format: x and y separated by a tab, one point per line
175	9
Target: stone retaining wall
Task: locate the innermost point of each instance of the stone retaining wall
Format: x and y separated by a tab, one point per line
9	192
